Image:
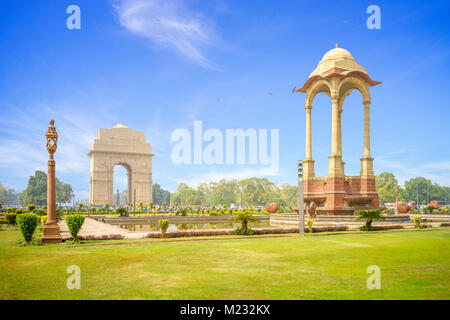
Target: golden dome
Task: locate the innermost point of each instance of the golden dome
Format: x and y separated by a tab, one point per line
337	53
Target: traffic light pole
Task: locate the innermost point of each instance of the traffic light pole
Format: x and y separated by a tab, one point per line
301	217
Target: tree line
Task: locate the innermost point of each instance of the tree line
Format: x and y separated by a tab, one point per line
36	192
416	189
246	192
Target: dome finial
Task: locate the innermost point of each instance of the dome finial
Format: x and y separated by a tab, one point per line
337	45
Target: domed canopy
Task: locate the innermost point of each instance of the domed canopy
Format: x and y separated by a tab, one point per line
337	62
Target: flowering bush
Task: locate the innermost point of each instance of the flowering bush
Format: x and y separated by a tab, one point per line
417	221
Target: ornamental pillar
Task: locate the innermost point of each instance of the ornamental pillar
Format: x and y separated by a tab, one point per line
51	228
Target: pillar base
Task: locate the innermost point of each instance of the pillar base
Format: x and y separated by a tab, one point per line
367	167
335	167
308	169
52	233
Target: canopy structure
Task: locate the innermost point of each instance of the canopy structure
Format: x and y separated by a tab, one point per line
337	75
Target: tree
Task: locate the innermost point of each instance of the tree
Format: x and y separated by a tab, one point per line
223	192
258	191
160	195
186	195
36	191
385	184
64	192
7	196
289	195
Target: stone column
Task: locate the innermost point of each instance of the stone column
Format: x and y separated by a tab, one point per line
367	128
335	159
335	127
308	163
367	160
51	228
340	132
334	188
308	155
368	188
340	137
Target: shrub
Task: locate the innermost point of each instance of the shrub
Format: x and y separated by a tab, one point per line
309	223
59	214
417	221
243	232
11	210
43	221
31	207
122	211
74	223
11	218
19	211
40	212
27	224
163	225
428	209
244	217
368	216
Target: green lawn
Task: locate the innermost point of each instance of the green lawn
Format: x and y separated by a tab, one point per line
414	264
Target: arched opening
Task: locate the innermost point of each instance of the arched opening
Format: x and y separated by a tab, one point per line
352	132
321	133
122	184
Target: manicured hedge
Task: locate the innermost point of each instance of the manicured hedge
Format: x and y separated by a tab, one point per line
11	218
27	223
74	223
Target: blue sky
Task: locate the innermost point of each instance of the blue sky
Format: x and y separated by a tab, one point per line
156	66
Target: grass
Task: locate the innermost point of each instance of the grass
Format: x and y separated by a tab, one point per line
415	264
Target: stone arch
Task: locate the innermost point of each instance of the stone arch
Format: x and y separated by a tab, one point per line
120	146
129	171
320	86
348	84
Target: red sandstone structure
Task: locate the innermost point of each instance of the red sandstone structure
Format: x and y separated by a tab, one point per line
51	228
337	75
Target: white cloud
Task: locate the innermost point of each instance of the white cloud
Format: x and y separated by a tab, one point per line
22	144
168	23
437	172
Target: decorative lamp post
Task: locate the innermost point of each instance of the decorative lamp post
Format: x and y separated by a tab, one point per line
51	228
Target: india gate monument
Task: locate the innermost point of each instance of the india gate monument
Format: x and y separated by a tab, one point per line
122	146
337	75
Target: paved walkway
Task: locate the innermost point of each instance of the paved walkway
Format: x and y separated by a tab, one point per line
96	230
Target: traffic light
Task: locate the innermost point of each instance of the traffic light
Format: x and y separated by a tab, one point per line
300	168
